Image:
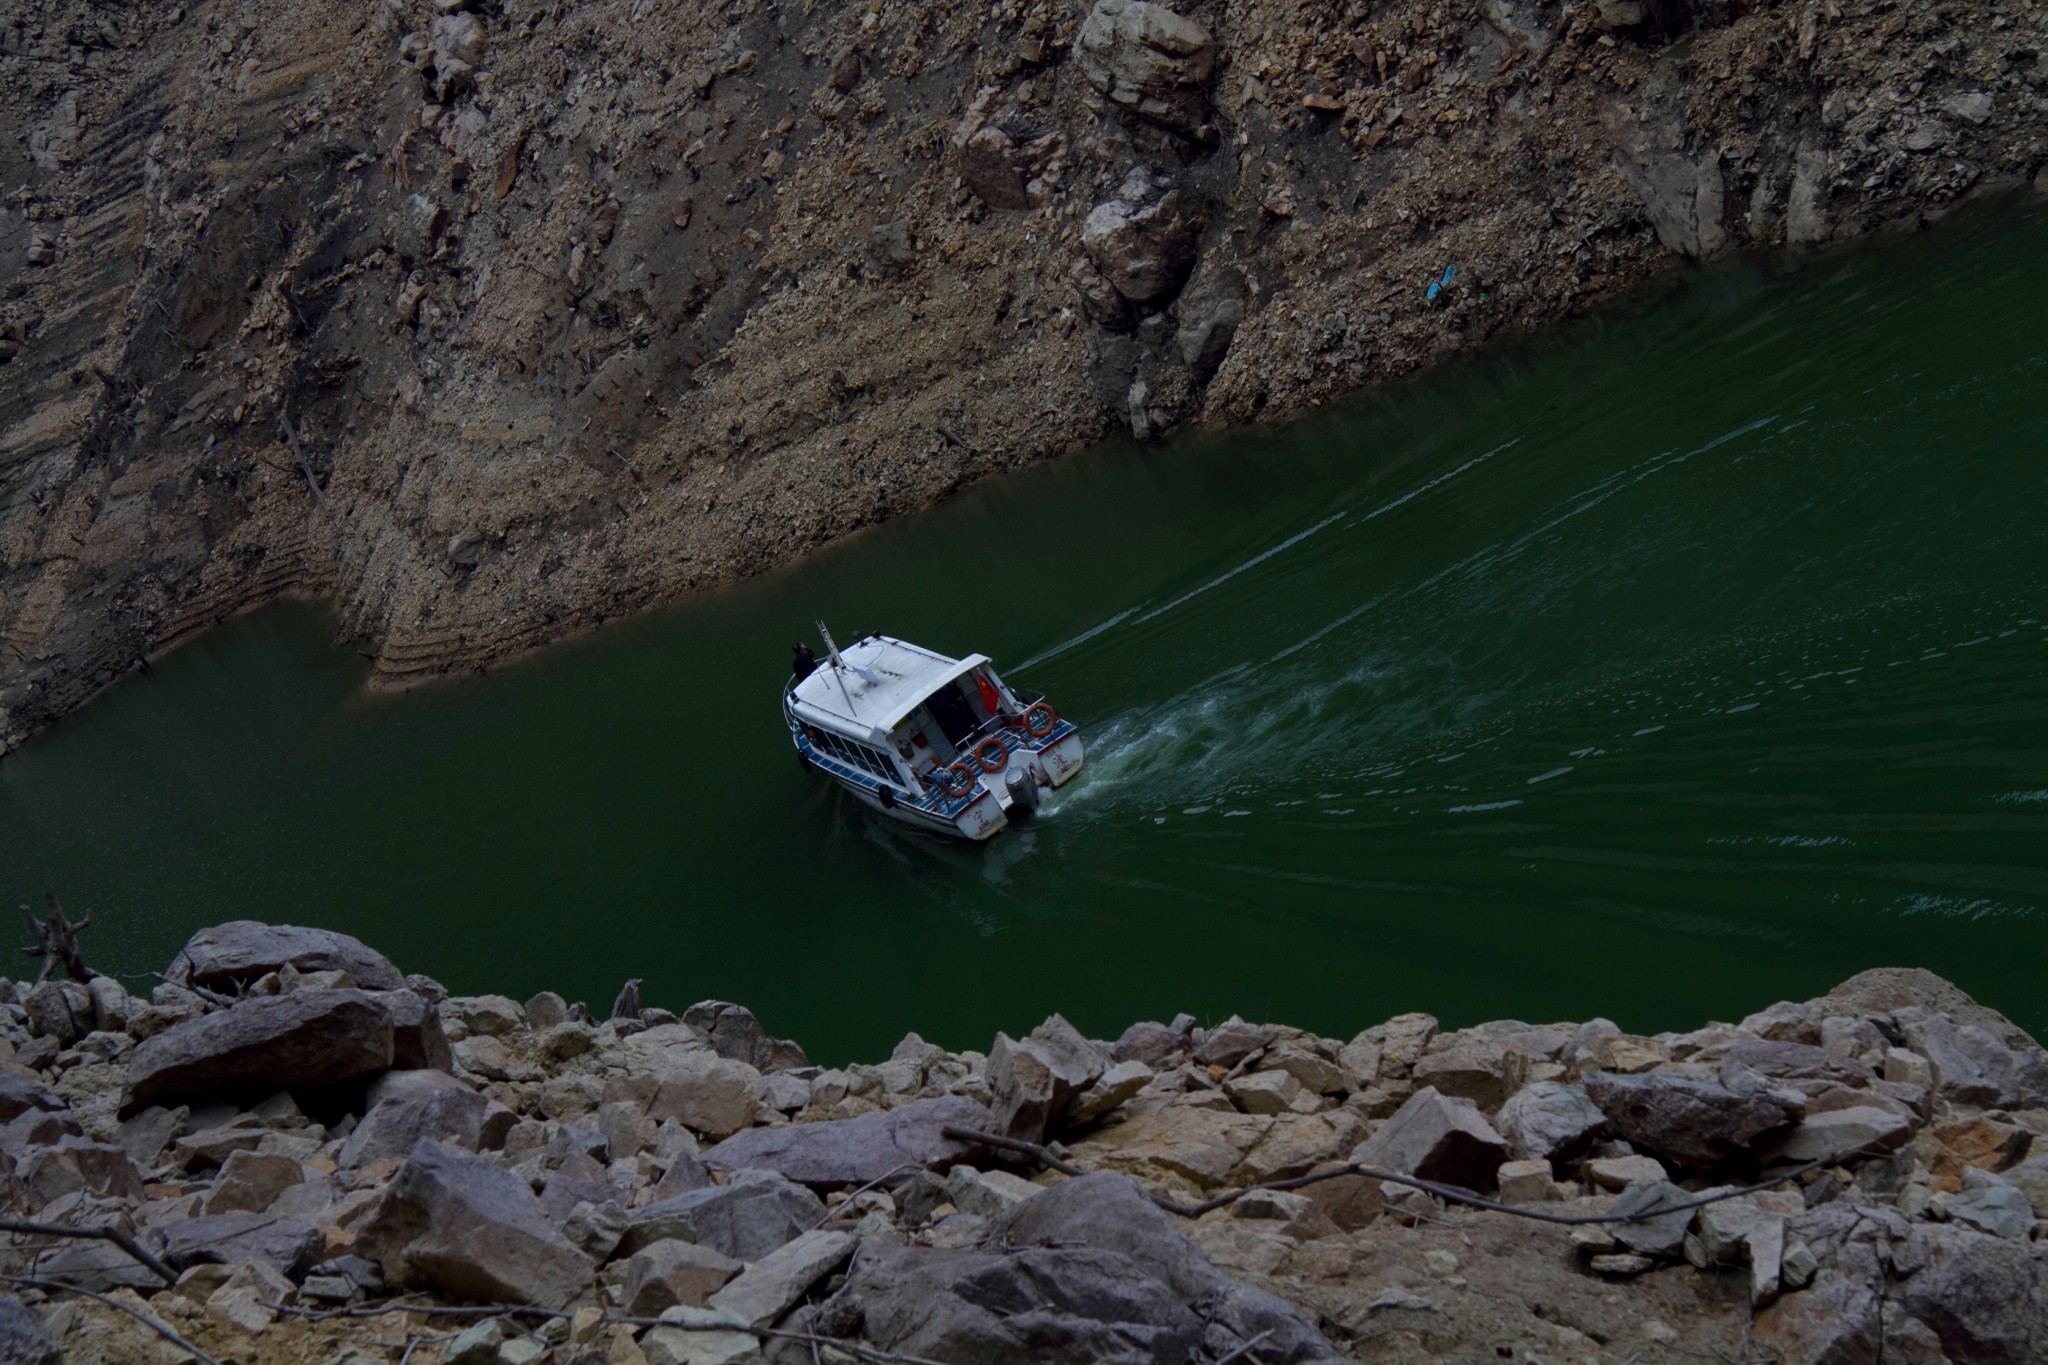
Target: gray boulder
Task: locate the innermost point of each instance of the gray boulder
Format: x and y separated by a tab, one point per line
406	1106
306	1040
1550	1121
1985	1297
664	1274
734	1032
1032	1080
464	1227
61	1010
229	956
1437	1137
857	1151
1147	60
758	1212
417	1039
23	1338
1154	1043
1991	1205
1971	1065
1099	1274
21	1090
1886	990
286	1244
1692	1120
774	1284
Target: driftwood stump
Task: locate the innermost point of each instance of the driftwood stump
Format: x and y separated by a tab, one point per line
57	942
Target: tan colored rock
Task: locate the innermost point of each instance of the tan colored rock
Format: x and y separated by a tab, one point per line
712	1095
1295	1145
1626	1054
669	1272
1619	1172
1526	1182
1401	1041
1197	1145
1265	1092
1471	1068
1150	61
250	1182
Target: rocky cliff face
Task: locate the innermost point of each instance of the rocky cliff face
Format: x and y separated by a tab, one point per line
489	321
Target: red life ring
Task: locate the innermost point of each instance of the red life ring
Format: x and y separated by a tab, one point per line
947	783
992	762
1032	716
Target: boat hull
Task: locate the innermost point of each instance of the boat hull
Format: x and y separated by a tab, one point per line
982	818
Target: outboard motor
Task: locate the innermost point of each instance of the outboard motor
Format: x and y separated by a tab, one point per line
1023	791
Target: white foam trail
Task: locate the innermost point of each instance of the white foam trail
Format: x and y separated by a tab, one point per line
1228	574
1415	493
1080	639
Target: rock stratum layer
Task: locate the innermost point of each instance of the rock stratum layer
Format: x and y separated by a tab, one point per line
319	1167
490	321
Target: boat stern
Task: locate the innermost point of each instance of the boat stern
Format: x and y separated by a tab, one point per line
1061	759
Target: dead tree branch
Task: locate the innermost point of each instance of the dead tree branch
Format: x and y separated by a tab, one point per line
119	1238
57	941
58	1286
1450	1194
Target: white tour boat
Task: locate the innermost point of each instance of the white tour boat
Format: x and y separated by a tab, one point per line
939	743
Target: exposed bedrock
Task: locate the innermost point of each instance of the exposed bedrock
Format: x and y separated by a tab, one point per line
489	322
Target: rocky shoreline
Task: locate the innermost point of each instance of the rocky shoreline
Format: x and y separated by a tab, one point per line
318	1159
491	320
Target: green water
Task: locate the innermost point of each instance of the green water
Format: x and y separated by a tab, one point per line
1677	664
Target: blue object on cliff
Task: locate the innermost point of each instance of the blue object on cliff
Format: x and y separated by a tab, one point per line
1434	289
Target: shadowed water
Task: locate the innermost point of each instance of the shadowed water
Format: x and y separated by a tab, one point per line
1685	662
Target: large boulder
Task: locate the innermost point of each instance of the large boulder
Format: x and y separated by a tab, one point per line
285	1244
464	1227
229	956
1971	1065
773	1285
734	1032
1550	1121
417	1039
1032	1080
405	1106
1094	1272
758	1212
1111	1213
1886	990
308	1040
1985	1297
22	1090
1143	240
713	1095
1004	160
1436	1137
1692	1119
857	1151
663	1274
1147	60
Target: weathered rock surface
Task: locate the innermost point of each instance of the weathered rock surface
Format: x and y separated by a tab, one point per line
745	1220
1693	1120
1550	1121
463	1226
23	1338
310	1039
773	1284
1436	1137
232	1238
1149	60
406	1106
230	956
883	1147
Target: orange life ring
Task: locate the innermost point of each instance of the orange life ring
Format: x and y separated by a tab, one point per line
1031	726
945	778
992	762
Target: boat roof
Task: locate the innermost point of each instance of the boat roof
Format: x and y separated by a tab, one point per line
904	675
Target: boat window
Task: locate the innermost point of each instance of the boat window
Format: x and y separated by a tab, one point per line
868	760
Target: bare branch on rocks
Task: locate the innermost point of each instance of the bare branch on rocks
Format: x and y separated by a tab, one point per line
59	1287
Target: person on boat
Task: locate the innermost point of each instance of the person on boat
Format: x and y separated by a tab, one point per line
805	662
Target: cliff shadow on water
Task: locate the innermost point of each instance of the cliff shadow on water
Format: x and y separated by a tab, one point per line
1681	662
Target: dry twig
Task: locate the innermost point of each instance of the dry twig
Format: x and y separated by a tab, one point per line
36	1282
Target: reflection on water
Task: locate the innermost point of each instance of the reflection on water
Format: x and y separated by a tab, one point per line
1660	671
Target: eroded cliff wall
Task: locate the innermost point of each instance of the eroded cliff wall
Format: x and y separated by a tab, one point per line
490	321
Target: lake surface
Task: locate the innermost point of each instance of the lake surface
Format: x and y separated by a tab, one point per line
1677	664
